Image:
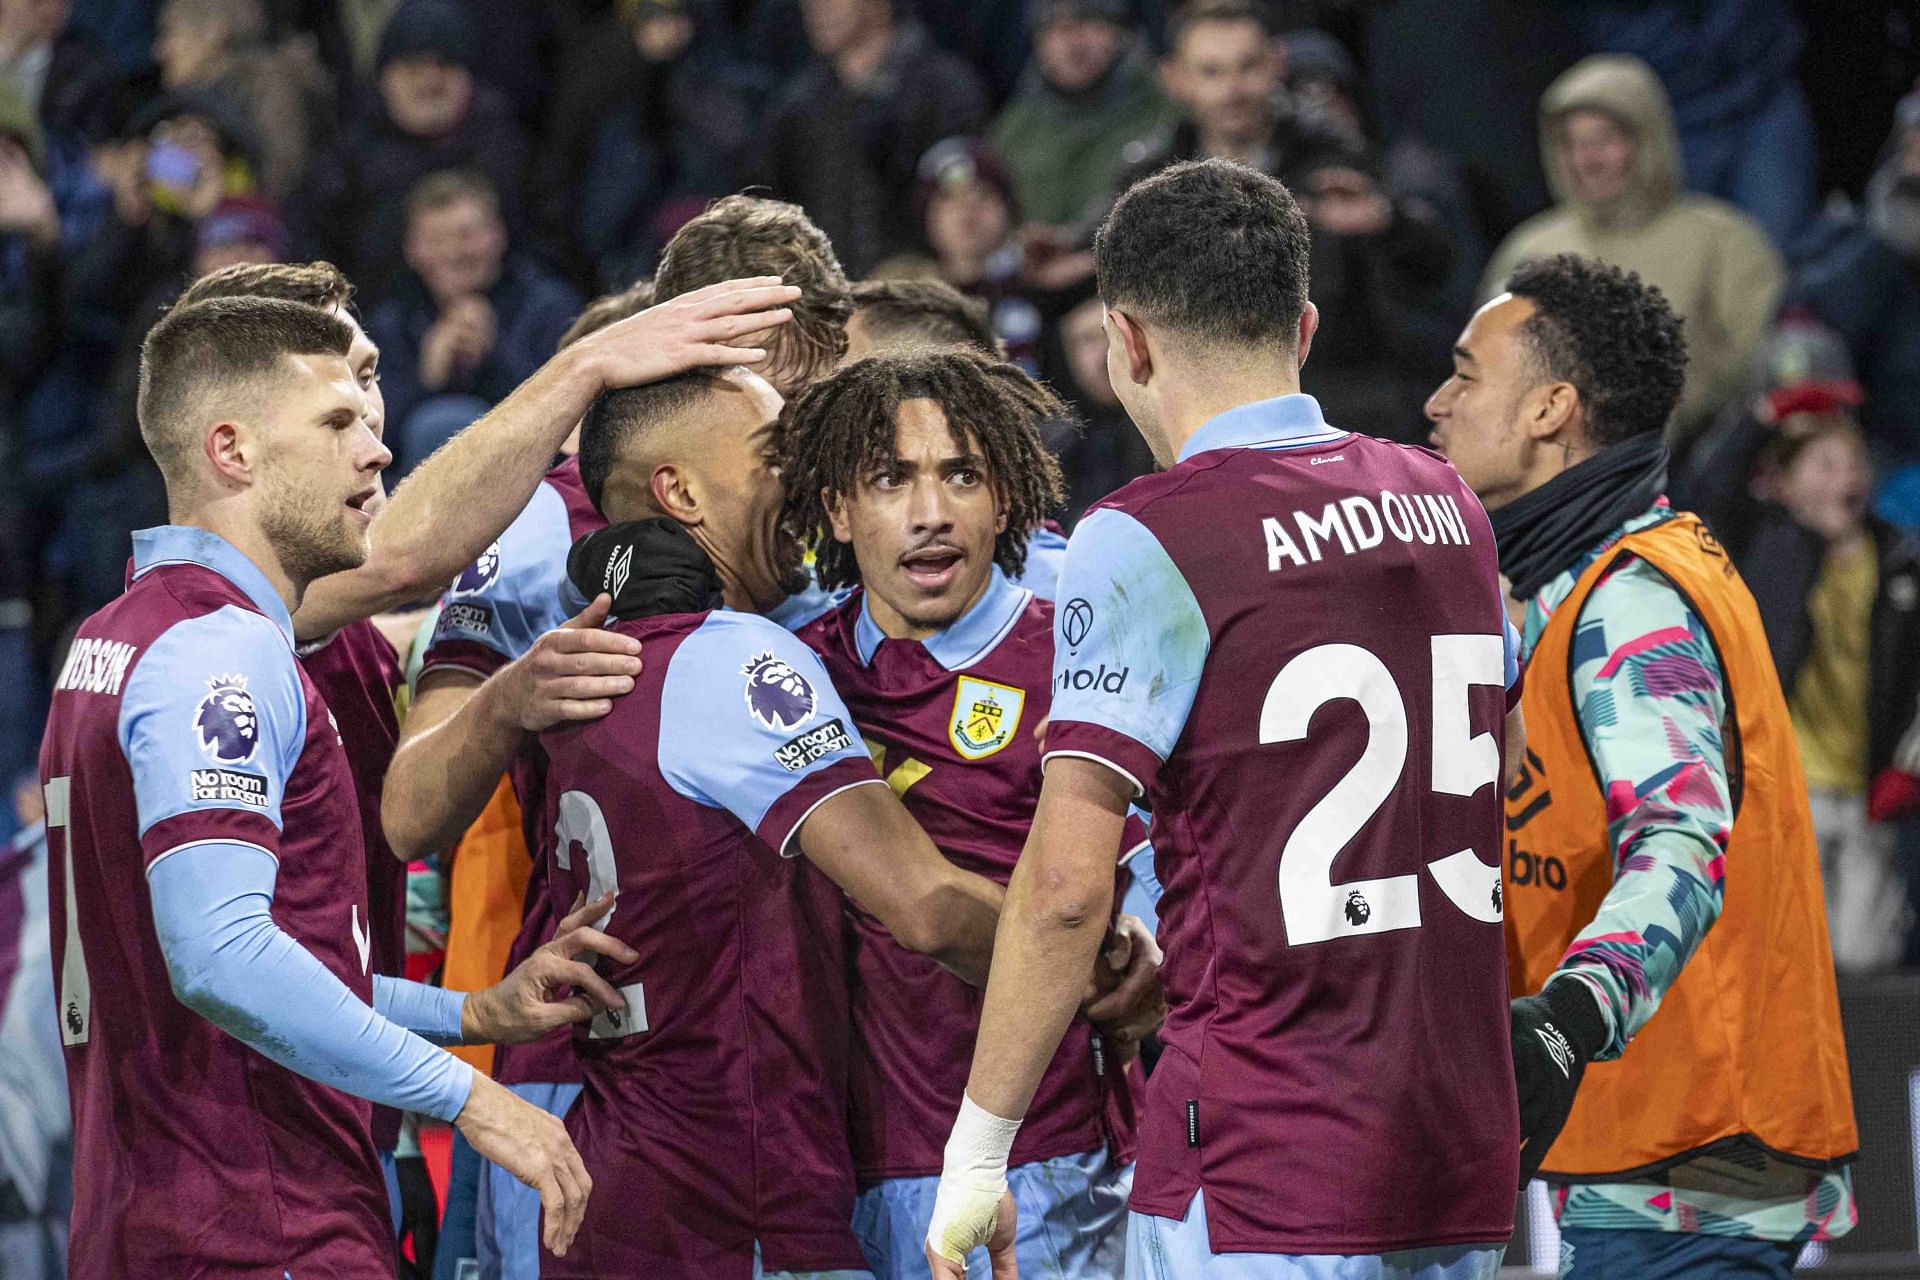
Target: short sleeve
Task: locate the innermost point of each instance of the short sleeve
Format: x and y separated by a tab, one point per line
1510	659
212	721
750	723
504	601
1046	555
1129	644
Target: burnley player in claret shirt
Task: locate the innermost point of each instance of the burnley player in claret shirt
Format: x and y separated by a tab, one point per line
926	471
1293	643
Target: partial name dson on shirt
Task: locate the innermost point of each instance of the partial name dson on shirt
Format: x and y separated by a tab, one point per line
1361	523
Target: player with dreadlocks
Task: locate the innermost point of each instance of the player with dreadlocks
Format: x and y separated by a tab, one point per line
927	472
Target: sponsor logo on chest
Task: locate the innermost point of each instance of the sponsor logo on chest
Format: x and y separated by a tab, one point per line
985	717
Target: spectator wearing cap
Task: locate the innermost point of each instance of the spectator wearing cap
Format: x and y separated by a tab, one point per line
1839	591
222	47
58	69
241	229
971	221
1106	451
431	114
1865	282
650	120
469	322
1612	154
1089	90
845	134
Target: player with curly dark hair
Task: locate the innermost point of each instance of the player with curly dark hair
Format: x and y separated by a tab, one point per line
843	449
1653	707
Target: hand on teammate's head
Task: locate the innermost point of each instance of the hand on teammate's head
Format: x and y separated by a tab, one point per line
727	323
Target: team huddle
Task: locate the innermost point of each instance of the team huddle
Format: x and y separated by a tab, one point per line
834	762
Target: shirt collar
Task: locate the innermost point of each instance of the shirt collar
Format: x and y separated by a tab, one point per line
1284	422
183	544
971	637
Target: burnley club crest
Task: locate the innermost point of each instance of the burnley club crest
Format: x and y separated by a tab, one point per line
985	717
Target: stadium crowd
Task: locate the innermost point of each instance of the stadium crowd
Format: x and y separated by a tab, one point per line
482	169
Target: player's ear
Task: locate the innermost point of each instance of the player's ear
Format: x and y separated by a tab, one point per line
231	450
1133	345
1309	325
1554	411
836	505
673	497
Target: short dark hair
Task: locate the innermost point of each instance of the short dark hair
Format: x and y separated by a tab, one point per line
618	415
607	309
212	348
1210	250
932	312
316	284
1189	16
449	187
1611	335
740	236
840	428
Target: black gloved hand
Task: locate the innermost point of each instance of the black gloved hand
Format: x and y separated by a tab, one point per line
649	567
1555	1035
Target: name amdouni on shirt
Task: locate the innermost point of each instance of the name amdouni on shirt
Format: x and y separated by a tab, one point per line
1360	524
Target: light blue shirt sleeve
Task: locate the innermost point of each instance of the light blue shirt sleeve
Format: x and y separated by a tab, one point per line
1129	640
1046	556
212	716
433	1013
513	594
1509	648
747	714
230	963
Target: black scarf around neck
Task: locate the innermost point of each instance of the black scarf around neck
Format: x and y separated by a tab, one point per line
1541	533
649	567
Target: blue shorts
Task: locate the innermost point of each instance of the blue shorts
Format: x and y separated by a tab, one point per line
1163	1249
391	1172
1588	1253
761	1273
1073	1212
506	1227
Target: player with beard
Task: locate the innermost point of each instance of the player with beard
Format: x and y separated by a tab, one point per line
722	1129
512	626
202	816
355	667
929	469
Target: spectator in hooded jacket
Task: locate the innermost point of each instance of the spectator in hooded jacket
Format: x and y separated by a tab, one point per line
1839	591
1607	137
469	323
844	136
431	114
1090	89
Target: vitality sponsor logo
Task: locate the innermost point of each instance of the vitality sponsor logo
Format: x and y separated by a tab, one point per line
228	786
474	619
1103	678
815	744
1076	620
778	696
228	725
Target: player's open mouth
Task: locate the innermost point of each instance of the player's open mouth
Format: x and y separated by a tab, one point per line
932	568
358	503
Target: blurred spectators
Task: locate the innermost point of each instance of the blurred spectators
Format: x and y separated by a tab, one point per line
971	218
221	48
844	136
1107	450
1379	264
58	68
1839	590
469	323
649	122
1863	282
1090	89
431	114
1607	133
1746	135
1463	76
